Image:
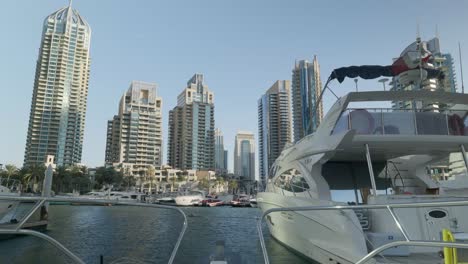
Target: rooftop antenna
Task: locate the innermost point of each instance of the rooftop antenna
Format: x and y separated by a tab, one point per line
461	67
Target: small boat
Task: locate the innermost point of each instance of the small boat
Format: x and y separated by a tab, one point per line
240	200
211	202
166	201
253	202
190	199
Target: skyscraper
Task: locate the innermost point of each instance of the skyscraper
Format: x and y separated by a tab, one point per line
244	156
134	135
219	153
58	108
191	128
438	60
306	88
274	125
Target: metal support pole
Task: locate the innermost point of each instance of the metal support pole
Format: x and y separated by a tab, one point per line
371	171
33	210
397	222
464	157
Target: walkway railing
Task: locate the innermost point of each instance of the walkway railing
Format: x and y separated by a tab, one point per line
18	229
389	207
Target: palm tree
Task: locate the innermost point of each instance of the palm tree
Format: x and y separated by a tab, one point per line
150	171
10	170
233	185
34	173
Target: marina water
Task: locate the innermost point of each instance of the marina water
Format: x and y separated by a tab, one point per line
142	235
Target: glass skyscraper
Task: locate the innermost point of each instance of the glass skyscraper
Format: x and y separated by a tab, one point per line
306	88
244	156
58	108
220	163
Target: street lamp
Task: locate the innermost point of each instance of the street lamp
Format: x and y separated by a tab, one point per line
383	81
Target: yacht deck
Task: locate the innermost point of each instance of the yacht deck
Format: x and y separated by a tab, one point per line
421	258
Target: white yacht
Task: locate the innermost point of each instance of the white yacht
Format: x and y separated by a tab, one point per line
383	155
191	198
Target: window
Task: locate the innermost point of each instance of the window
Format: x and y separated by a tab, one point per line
292	181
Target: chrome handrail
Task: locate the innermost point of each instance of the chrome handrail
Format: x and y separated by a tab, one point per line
389	207
41	200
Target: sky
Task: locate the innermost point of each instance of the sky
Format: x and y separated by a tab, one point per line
241	46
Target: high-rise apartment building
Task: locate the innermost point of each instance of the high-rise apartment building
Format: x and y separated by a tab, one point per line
58	108
438	60
244	156
220	163
191	128
274	126
306	89
134	135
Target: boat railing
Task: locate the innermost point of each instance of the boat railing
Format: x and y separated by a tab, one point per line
40	202
388	121
389	207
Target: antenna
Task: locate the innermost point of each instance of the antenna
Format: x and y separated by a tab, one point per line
461	67
437	31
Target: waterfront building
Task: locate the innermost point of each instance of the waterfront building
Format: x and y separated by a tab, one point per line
244	156
191	128
274	126
306	88
58	107
220	163
134	135
438	60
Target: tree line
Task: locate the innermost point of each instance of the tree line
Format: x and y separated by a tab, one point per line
66	179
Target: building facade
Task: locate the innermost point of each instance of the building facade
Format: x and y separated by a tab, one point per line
191	128
244	156
58	107
306	89
274	126
220	163
134	135
438	60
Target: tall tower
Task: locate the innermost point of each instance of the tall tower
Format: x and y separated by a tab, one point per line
134	135
274	125
244	156
219	153
191	128
58	108
306	88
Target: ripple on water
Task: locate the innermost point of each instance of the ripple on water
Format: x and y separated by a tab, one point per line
146	235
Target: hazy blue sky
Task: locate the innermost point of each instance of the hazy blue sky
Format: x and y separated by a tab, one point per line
241	46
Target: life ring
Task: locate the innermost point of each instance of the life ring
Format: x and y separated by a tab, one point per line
362	121
456	125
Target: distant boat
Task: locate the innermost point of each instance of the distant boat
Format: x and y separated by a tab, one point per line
253	202
190	199
241	200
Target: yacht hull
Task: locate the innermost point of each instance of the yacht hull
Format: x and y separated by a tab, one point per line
323	236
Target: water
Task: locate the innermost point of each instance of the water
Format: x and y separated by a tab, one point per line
146	235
